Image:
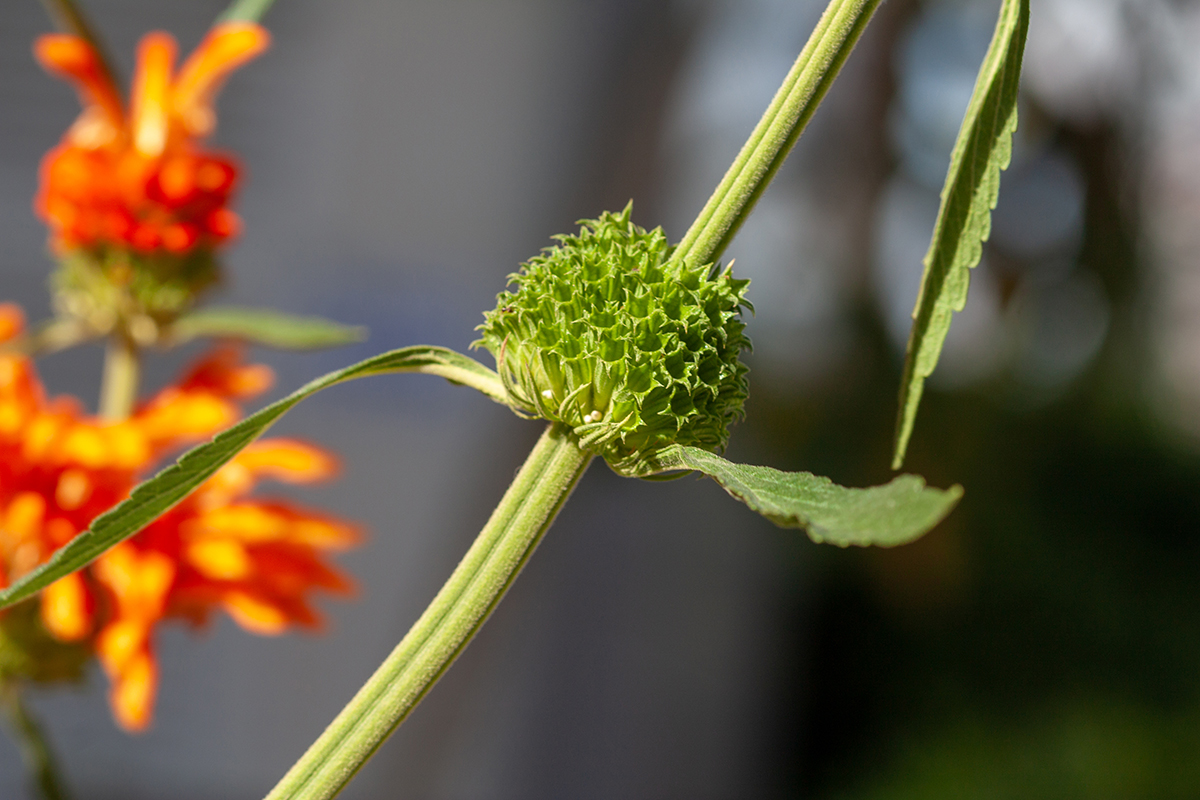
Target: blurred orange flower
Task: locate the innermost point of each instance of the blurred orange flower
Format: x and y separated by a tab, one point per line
138	178
257	560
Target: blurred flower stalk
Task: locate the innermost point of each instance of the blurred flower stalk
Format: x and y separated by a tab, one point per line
135	204
137	209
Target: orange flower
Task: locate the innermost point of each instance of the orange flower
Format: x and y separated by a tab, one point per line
257	560
138	179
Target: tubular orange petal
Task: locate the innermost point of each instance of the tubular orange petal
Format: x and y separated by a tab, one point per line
250	523
24	516
224	49
73	489
287	460
132	694
120	642
219	559
323	533
255	614
222	372
12	321
66	611
72	58
150	105
176	417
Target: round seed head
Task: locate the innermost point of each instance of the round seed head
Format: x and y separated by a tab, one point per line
605	333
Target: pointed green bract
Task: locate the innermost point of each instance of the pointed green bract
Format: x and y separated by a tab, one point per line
895	513
155	496
266	327
982	150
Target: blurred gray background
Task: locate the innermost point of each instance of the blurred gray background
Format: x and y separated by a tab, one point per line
403	157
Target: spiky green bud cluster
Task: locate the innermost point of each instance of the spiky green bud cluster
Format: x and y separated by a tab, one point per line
634	351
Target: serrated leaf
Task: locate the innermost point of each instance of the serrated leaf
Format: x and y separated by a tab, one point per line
155	496
266	327
983	149
895	513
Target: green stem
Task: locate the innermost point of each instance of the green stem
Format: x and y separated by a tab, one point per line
70	19
781	125
461	607
35	749
245	11
557	462
119	386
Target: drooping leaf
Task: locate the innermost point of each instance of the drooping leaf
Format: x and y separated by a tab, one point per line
888	515
153	497
983	149
266	327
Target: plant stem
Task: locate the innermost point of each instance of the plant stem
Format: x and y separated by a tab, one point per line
245	11
781	125
119	386
70	19
461	607
557	462
35	749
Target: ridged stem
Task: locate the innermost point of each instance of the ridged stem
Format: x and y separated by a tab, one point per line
245	11
35	749
557	462
119	385
457	612
781	125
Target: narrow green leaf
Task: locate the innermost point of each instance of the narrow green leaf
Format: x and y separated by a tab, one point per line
153	497
266	327
983	149
896	513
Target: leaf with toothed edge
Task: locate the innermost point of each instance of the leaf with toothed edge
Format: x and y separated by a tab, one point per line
155	496
895	513
983	149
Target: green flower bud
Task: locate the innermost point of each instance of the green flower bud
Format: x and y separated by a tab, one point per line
634	351
107	288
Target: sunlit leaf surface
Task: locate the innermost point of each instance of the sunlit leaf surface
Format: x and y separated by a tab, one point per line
888	515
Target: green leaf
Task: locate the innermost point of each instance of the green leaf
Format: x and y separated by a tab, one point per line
983	149
896	513
153	497
266	327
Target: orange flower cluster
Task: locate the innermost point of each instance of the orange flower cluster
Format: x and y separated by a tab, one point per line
257	560
139	180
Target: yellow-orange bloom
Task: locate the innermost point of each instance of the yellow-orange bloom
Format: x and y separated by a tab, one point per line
258	560
137	178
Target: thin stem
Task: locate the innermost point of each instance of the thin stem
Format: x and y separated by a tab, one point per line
781	125
35	749
69	18
461	607
557	462
119	386
245	11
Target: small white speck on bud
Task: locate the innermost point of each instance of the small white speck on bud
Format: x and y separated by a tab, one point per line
595	416
548	394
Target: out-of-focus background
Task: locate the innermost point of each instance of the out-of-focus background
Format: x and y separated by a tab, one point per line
403	158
